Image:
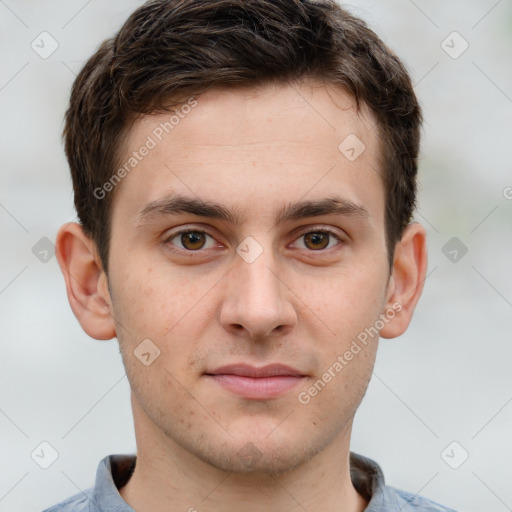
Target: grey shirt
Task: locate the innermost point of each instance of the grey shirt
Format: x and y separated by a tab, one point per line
114	471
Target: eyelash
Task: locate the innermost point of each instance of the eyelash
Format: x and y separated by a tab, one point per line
199	251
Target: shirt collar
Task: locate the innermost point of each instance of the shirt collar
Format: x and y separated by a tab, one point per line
114	471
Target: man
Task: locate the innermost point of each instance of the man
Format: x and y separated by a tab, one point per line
245	178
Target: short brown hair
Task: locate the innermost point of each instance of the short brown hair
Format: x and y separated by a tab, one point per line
168	48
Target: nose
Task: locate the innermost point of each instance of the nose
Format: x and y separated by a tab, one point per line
257	302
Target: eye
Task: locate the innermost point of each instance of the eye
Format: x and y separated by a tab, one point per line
191	240
319	239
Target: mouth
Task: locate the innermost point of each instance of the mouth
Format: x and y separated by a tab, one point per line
257	383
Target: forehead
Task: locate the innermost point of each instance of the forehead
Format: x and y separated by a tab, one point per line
270	143
237	116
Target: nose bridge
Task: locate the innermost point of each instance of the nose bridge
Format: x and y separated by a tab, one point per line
258	281
257	298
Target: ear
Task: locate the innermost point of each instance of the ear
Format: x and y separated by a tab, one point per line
406	281
86	282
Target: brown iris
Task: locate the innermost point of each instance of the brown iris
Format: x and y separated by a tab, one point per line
318	239
193	239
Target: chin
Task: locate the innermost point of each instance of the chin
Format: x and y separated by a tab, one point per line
258	460
265	454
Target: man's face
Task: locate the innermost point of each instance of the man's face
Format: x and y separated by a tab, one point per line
238	294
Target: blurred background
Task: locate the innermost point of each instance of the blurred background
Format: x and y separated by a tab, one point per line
437	416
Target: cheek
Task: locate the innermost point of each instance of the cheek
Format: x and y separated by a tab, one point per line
152	301
158	392
346	302
166	308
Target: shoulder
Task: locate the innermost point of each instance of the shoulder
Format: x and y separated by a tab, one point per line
409	502
77	503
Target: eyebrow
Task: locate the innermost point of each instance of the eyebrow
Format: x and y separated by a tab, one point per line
177	203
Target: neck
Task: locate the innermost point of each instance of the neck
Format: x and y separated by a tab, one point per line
168	477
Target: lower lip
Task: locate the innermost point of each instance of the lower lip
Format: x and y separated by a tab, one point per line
259	389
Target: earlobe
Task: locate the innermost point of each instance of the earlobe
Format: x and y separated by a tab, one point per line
86	283
407	280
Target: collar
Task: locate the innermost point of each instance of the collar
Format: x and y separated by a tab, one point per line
114	471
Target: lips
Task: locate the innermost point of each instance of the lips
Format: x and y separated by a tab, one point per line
263	383
245	370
